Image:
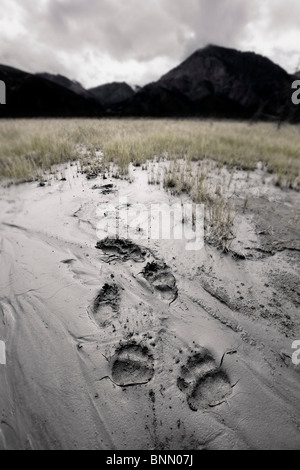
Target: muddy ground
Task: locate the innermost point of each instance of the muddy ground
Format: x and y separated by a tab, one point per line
142	344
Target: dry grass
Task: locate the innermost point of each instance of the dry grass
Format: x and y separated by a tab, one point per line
28	146
197	179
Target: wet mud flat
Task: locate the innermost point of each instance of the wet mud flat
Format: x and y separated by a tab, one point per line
115	343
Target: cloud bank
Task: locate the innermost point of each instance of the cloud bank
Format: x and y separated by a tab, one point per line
112	40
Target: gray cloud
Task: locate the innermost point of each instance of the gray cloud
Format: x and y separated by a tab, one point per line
138	30
103	40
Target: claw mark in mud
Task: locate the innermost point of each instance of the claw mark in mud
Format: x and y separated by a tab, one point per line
121	249
132	364
159	275
105	189
106	304
14	226
204	383
68	261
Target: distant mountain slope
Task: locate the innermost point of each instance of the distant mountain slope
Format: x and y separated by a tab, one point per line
112	93
66	82
213	82
29	95
217	81
154	100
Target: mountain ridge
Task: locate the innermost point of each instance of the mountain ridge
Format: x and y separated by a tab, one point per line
212	82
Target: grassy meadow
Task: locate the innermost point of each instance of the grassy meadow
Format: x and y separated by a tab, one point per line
29	146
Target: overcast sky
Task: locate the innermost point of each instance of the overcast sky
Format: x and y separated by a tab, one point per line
99	41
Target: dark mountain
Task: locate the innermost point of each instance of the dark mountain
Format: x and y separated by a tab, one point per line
212	82
153	100
220	82
66	83
111	93
29	95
